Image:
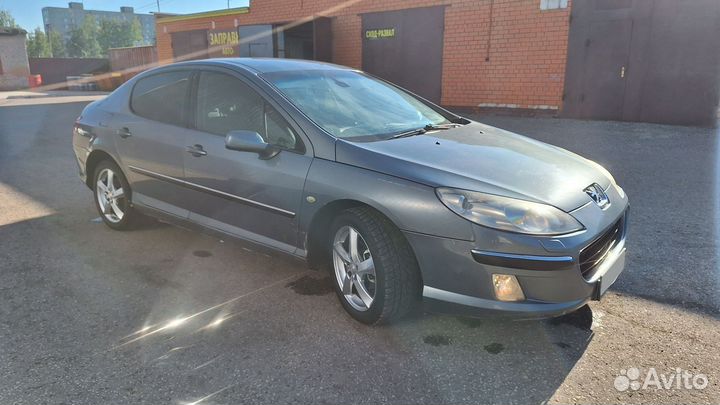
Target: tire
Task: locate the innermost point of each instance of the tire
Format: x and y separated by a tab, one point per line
394	286
120	216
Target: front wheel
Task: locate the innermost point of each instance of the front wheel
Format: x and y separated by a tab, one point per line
376	274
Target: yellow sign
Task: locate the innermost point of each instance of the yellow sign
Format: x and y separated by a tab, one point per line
224	38
380	33
224	43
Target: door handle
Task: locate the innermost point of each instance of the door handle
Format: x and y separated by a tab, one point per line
124	132
196	150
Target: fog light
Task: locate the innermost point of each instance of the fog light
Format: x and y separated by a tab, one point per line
507	288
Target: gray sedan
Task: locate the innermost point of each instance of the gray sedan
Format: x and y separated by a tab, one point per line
403	201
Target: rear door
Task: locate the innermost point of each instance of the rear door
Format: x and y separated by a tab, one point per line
151	140
237	192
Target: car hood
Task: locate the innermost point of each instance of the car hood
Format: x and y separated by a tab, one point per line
482	158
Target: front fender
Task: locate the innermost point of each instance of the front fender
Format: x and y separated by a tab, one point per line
410	206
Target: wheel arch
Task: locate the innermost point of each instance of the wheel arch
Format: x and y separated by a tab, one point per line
93	159
319	230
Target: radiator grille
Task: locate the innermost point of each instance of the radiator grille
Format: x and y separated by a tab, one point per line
594	254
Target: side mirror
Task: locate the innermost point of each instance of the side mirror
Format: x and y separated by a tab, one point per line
250	141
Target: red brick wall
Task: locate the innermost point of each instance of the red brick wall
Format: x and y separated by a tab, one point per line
524	66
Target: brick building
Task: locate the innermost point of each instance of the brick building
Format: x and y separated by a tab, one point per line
581	58
14	67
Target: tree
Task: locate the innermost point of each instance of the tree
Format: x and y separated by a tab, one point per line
83	41
136	34
38	45
7	20
108	34
57	46
31	45
118	34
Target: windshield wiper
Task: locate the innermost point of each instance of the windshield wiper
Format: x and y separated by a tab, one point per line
417	131
426	128
434	127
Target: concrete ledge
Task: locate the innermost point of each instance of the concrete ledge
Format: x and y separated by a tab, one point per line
506	111
13	95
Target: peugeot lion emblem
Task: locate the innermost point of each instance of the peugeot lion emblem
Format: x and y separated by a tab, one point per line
598	195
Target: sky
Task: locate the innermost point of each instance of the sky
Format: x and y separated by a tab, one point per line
28	13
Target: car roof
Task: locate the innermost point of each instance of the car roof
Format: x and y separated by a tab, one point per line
267	65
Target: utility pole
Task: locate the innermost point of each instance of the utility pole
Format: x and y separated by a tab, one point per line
228	3
158	4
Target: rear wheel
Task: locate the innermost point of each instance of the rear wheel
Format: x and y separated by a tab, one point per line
377	278
112	196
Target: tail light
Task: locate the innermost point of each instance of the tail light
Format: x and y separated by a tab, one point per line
81	130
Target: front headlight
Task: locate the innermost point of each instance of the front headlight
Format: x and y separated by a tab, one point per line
508	214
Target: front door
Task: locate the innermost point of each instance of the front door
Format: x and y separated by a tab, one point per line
237	192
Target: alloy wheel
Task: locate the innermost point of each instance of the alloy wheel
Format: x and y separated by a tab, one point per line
110	196
354	268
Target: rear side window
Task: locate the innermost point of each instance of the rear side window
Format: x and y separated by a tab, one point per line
162	97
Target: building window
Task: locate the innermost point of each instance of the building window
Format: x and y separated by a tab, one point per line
553	4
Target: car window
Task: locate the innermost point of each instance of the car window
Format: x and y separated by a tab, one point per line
162	97
278	130
349	104
225	103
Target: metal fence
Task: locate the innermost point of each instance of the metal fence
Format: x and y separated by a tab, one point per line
56	70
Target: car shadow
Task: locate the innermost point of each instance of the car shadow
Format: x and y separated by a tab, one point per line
466	360
175	310
495	361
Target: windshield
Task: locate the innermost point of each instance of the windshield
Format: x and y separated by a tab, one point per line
348	104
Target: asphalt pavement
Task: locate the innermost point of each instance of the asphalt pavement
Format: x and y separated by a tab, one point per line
165	315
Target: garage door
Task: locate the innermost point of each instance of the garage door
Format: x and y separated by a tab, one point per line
256	41
651	61
190	44
405	47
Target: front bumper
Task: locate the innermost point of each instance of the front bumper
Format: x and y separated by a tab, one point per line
457	274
